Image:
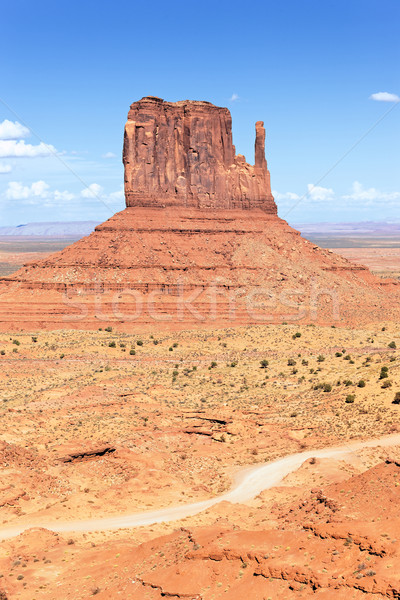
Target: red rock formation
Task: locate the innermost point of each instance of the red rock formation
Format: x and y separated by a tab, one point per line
181	154
199	242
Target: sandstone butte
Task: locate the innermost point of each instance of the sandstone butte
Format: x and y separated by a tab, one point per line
198	244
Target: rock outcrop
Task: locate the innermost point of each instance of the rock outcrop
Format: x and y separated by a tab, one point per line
200	241
182	154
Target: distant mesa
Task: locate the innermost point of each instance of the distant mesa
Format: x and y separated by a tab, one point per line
198	244
65	229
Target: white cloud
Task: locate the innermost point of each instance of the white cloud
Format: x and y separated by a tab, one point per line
109	155
19	149
385	97
285	195
316	193
94	190
38	192
234	97
63	196
117	196
13	131
17	191
5	168
370	195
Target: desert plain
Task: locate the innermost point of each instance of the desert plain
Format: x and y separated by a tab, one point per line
105	423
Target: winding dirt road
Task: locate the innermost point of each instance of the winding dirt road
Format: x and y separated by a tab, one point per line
248	484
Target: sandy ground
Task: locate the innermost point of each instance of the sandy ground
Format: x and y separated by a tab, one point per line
381	261
103	424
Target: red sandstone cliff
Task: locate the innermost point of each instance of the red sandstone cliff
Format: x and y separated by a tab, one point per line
181	154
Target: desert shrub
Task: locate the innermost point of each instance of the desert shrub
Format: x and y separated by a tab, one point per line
213	365
264	364
327	387
108	329
361	383
321	358
347	382
291	362
139	342
396	399
386	384
350	399
234	363
34	338
111	345
132	352
383	374
392	345
304	362
347	357
338	354
62	355
175	345
296	335
17	342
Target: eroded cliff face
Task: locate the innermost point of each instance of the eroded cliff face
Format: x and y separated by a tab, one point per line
181	154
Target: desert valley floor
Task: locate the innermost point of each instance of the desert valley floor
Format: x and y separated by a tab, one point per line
105	423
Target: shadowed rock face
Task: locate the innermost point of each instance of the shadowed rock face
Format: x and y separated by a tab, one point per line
181	154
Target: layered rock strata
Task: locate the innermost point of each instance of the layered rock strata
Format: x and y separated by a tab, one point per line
182	154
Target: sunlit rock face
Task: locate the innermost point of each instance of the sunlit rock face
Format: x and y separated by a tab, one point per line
181	153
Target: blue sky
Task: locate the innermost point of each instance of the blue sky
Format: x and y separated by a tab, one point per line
308	68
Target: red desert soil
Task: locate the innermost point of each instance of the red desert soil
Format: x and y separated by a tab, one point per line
103	432
382	261
119	395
